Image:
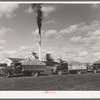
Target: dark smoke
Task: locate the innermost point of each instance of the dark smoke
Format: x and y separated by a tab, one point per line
37	8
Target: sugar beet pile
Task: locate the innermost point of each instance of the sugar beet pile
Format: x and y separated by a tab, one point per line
31	62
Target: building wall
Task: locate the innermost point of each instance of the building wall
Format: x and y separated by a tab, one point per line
6	61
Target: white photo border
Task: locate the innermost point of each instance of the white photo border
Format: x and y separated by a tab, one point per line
57	94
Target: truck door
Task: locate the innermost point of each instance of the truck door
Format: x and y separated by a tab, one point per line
65	67
98	67
17	68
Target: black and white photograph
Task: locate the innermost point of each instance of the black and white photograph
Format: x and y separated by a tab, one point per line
49	47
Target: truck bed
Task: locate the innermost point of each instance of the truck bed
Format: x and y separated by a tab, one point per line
33	67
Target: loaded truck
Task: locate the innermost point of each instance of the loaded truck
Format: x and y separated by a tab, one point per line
23	68
68	68
96	67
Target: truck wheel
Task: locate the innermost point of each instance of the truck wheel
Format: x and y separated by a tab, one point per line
94	71
6	74
59	73
78	72
35	74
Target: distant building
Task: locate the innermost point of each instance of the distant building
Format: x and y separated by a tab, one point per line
43	58
31	55
9	60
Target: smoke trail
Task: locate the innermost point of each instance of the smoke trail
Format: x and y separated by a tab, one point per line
37	8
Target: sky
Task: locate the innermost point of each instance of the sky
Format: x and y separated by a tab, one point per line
69	31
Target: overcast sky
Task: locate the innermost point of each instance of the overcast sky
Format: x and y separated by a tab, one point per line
70	31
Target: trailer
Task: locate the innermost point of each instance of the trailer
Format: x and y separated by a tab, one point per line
23	69
69	68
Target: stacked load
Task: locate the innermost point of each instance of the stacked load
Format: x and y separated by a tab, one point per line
31	62
97	62
75	63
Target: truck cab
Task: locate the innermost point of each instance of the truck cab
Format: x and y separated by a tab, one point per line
96	67
60	69
14	69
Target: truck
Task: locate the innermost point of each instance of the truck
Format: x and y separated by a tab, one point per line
66	67
22	69
96	67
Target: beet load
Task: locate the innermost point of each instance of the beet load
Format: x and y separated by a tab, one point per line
32	62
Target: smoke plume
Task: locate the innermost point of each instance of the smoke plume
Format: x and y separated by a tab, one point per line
37	8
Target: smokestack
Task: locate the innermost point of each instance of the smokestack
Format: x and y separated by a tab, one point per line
37	8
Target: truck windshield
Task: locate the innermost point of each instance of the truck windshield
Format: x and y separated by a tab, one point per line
12	64
15	64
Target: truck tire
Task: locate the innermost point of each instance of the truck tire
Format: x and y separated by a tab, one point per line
6	74
94	71
59	73
78	72
35	74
